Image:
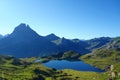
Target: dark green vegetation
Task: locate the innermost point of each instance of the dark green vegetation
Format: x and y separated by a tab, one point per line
25	42
69	55
106	56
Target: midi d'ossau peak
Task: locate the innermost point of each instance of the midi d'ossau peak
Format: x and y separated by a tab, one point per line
25	42
24	30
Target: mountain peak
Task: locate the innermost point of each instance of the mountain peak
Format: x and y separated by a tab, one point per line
52	34
22	26
52	37
24	31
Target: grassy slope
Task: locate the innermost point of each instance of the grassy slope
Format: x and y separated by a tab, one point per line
102	61
106	56
79	75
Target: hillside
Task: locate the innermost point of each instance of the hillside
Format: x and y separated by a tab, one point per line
106	56
68	55
97	42
16	69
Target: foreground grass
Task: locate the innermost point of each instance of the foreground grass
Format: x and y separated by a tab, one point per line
79	75
39	72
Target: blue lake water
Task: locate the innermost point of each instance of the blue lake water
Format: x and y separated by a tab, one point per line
75	65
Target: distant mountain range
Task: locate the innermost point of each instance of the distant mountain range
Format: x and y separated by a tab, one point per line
25	42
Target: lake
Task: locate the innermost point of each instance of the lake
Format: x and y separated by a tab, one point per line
75	65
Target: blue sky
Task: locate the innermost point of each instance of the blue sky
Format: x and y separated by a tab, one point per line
83	19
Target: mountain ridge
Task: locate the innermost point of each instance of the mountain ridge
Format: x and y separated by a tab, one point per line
25	42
